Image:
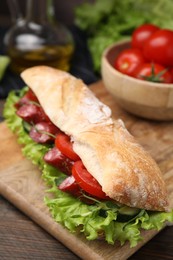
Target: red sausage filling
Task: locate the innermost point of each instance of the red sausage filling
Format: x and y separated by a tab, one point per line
62	155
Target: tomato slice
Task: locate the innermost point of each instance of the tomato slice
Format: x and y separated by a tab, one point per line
86	181
62	142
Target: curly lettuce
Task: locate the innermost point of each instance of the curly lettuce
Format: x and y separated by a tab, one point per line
103	218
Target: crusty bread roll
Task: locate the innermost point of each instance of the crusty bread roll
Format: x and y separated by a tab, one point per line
126	172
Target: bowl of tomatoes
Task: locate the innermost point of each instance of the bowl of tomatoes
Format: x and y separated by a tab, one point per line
139	72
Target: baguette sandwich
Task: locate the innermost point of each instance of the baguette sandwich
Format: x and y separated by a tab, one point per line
104	183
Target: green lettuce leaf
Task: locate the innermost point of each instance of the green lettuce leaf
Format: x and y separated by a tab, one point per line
101	219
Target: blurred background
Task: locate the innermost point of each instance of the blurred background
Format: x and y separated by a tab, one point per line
64	10
65	14
94	24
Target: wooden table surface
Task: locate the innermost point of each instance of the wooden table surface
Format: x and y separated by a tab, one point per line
21	238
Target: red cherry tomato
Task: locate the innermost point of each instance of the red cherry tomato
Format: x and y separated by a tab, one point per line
142	34
86	181
153	72
62	142
128	60
159	47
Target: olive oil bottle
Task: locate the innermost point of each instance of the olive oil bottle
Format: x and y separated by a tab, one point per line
37	39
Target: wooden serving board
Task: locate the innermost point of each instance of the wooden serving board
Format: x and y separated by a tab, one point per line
21	182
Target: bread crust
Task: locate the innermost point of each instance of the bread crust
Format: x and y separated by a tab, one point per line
126	172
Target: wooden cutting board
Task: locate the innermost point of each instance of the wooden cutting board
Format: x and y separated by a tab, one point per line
22	185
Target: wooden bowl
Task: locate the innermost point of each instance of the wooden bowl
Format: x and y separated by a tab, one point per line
142	98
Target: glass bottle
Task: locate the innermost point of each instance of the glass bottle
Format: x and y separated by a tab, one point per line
37	39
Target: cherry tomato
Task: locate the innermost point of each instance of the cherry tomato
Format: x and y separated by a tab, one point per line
142	34
62	142
159	47
128	60
153	72
86	181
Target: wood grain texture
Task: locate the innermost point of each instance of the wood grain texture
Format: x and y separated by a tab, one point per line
21	183
22	238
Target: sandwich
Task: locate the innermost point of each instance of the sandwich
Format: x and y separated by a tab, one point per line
104	184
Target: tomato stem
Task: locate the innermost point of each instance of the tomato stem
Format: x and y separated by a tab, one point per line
155	77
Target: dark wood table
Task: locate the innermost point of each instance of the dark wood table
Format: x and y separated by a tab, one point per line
21	238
